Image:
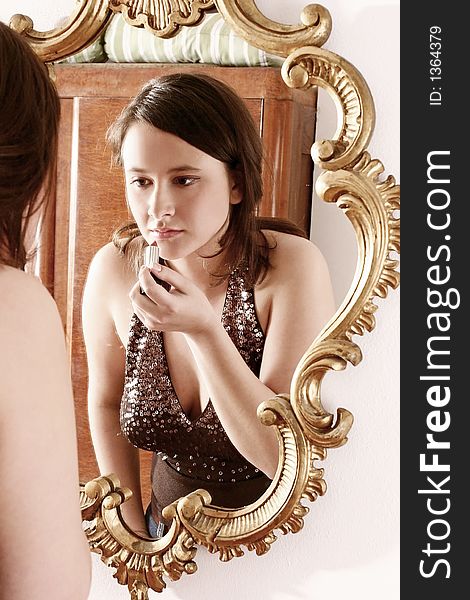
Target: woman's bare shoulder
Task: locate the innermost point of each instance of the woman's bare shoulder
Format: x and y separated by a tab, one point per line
111	267
298	277
109	257
291	255
9	277
105	302
24	297
30	326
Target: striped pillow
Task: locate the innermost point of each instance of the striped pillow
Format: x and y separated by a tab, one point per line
93	54
212	42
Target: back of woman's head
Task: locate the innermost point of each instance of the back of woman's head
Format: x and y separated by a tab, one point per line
29	117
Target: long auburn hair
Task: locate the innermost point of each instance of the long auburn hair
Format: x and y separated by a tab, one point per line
29	119
209	115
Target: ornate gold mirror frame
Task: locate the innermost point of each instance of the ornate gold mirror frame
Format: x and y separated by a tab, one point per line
353	181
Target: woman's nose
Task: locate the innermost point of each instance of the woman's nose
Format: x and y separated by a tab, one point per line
161	204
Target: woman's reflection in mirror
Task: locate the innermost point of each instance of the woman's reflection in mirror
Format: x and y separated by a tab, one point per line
248	296
44	553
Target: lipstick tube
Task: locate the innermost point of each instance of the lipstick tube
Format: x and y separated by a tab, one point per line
152	258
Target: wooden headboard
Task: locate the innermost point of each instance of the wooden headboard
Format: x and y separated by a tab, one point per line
90	201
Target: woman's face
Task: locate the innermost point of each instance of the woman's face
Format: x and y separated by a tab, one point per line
179	196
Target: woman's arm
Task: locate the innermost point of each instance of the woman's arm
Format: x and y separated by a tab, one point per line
105	292
301	302
43	548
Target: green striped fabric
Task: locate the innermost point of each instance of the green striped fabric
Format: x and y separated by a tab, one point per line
93	54
212	42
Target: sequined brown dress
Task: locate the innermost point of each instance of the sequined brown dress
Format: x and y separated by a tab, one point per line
190	454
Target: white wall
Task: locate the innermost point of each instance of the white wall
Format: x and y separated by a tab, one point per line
349	546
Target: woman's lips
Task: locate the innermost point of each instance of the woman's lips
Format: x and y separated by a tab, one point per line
165	234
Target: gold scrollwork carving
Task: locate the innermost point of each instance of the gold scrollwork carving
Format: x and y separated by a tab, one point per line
352	181
140	563
310	66
163	18
247	20
81	29
371	204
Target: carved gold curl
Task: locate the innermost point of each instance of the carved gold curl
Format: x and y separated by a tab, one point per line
371	203
248	22
310	66
226	530
88	20
163	18
140	563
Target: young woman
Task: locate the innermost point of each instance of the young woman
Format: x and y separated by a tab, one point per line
244	298
44	553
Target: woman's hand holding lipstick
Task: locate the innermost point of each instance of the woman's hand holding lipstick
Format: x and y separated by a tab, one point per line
184	307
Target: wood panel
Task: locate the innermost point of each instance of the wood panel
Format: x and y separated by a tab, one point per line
90	201
289	169
62	207
111	79
97	207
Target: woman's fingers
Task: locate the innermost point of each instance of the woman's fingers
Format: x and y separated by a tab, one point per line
177	281
146	289
137	293
183	308
150	301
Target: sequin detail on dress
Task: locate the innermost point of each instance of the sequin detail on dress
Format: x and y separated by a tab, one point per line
151	415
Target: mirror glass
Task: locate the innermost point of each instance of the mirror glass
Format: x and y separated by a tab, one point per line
90	103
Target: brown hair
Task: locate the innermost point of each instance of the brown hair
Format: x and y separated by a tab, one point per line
29	118
210	116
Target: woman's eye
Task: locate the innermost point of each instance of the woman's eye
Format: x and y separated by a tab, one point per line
140	182
185	180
